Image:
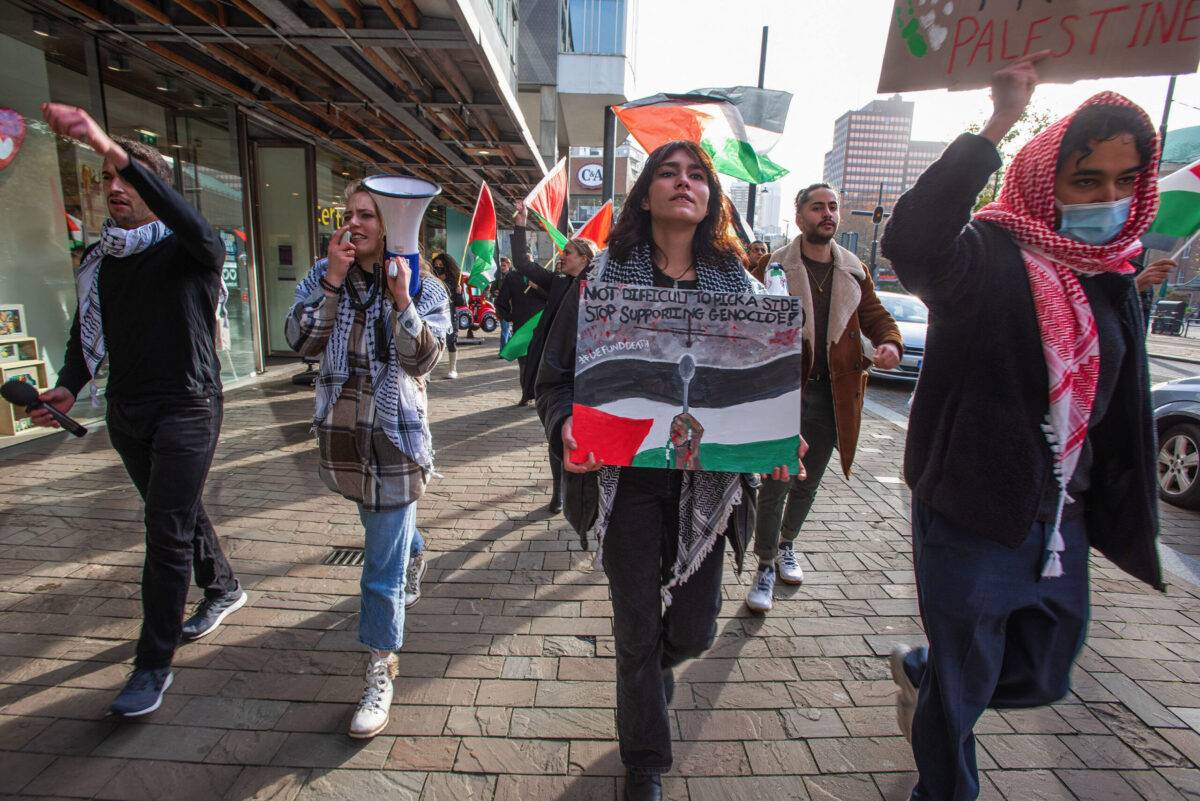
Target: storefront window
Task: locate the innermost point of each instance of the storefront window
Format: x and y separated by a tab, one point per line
44	187
334	174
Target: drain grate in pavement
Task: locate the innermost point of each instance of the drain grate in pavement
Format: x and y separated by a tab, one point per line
344	557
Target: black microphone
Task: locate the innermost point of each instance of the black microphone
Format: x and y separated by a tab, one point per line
18	393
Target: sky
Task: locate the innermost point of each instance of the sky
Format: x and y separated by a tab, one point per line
828	55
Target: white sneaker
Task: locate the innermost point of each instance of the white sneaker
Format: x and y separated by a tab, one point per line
371	717
452	374
761	595
412	581
789	565
906	699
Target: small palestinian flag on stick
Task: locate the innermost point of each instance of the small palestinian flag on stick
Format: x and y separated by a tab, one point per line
1178	217
598	228
737	126
479	259
518	344
547	201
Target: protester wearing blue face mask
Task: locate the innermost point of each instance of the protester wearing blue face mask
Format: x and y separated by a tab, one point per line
1029	444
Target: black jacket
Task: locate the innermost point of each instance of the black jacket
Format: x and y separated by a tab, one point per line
555	385
158	307
556	286
517	300
975	450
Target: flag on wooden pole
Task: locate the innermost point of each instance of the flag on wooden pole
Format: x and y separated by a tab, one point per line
547	200
479	259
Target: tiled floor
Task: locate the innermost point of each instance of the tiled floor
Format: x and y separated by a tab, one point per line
506	687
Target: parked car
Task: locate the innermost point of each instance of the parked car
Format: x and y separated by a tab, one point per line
1177	418
912	318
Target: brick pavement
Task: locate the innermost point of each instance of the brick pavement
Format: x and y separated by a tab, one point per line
506	687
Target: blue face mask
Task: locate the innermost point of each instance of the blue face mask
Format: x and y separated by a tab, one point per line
1093	223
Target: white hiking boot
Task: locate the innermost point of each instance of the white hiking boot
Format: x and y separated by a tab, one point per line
371	717
789	565
762	595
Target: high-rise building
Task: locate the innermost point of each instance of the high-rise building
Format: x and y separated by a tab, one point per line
920	155
766	207
870	147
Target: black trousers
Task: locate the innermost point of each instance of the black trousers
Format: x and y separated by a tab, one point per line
167	446
639	546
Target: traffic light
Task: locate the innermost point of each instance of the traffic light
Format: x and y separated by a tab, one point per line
877	215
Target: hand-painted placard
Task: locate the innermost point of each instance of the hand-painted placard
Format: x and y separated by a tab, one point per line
959	44
687	379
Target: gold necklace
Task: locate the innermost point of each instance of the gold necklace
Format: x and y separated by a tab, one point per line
820	286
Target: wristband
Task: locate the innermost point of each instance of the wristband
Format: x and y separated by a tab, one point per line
328	287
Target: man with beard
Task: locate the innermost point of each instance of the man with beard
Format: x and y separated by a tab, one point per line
147	305
839	301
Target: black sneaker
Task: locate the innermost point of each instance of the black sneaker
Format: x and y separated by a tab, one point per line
211	611
642	786
143	692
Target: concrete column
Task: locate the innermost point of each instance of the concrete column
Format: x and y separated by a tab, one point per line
548	125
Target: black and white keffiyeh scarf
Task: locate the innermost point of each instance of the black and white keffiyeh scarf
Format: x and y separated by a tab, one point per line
706	499
399	405
118	243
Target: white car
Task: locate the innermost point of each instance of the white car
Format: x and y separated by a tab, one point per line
912	318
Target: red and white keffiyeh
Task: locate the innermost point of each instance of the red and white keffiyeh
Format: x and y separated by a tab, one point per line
1070	342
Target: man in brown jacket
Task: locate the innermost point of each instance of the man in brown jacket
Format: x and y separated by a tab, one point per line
839	302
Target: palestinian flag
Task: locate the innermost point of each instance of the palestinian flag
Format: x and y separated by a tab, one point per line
479	260
1178	217
737	126
631	403
518	344
598	228
548	200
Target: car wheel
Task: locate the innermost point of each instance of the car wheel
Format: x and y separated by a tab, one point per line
463	320
1179	466
488	324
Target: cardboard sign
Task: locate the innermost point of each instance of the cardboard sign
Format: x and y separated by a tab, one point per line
959	44
687	379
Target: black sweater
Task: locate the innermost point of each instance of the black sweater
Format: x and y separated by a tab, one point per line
158	307
556	286
975	450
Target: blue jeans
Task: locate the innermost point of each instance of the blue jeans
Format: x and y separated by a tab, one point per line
418	543
389	537
505	333
1000	636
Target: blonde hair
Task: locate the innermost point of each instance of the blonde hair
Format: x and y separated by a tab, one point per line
583	247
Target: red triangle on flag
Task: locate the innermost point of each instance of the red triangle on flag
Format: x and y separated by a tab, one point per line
614	440
598	228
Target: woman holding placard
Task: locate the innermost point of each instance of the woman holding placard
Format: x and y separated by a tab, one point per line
1031	435
377	344
662	531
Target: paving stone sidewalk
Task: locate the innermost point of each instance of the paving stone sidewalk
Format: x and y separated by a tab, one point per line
506	688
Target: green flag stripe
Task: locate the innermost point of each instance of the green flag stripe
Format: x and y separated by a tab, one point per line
747	457
482	267
1178	214
518	345
738	159
560	240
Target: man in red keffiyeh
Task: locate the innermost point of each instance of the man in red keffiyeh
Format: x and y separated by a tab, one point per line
1030	437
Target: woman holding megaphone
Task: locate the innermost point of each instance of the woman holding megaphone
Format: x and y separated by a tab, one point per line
377	342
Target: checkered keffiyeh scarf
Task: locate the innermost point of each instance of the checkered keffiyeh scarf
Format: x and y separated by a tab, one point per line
1025	209
118	243
399	404
706	499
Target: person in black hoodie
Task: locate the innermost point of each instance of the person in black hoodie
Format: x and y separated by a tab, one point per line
573	262
147	304
517	301
1031	435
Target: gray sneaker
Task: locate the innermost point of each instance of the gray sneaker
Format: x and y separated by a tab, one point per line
761	597
211	611
143	692
412	578
906	698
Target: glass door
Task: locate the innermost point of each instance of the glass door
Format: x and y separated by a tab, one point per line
284	231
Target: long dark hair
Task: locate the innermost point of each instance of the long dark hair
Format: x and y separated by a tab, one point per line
712	239
447	269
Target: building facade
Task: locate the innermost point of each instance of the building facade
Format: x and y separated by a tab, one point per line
586	170
262	137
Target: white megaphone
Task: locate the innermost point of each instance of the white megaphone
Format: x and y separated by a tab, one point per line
402	201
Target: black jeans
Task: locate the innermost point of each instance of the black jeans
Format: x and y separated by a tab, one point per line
639	546
783	506
167	446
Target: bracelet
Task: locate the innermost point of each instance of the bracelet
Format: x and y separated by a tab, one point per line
328	287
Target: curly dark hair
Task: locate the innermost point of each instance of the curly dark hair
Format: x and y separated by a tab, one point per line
1100	123
447	269
714	237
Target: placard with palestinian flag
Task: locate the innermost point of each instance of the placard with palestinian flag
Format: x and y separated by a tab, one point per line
687	379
